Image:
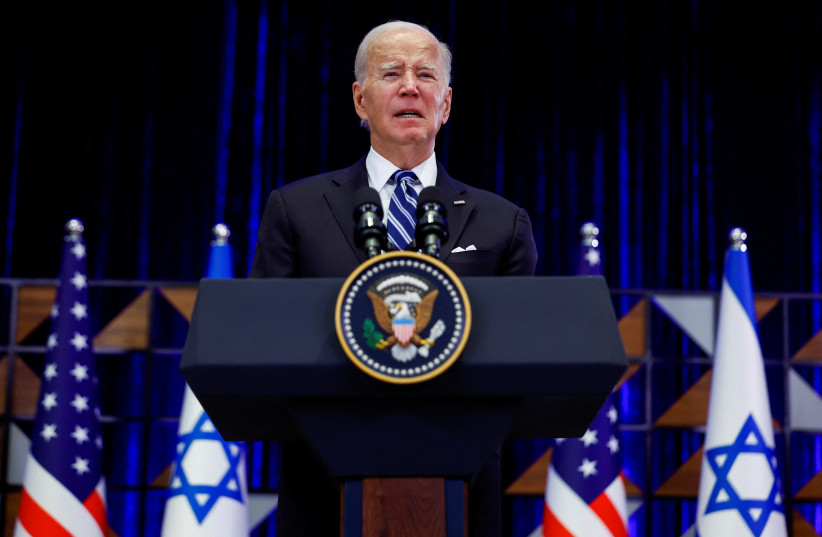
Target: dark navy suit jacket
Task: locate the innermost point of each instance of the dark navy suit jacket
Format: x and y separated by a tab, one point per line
307	229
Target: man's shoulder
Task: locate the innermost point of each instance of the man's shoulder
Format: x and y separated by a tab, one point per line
480	196
325	180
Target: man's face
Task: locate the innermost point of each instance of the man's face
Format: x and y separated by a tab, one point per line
404	98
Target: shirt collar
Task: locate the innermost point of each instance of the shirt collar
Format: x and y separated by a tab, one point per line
380	170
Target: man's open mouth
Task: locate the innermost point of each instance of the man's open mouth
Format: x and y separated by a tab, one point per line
408	113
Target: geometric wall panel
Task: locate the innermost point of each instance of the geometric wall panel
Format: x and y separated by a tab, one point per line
801	527
690	410
806	404
163	480
19	445
532	480
695	315
763	306
4	381
129	329
182	298
811	351
26	390
260	506
632	329
812	490
33	307
629	372
684	483
12	505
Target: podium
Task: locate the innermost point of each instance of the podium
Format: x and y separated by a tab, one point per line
263	358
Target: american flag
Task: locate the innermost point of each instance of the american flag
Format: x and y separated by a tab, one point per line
63	485
585	492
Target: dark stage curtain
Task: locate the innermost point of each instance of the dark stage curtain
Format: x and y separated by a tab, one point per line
667	123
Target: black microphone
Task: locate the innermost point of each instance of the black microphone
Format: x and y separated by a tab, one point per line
369	233
432	229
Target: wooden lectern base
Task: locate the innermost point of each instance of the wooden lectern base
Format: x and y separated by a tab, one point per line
404	507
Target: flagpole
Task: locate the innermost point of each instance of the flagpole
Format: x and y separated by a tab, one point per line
584	491
740	485
64	491
208	491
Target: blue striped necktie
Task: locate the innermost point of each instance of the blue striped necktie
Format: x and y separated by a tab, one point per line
402	209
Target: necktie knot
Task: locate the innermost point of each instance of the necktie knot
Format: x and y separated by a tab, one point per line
406	178
402	209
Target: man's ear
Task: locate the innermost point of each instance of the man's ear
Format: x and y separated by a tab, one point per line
447	112
356	90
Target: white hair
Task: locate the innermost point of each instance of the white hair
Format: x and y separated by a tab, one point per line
360	62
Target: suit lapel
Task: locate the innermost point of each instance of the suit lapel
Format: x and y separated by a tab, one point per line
457	215
340	199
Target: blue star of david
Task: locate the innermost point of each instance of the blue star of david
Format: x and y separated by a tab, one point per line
769	505
213	492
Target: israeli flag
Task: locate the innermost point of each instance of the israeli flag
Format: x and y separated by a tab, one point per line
209	494
208	485
740	487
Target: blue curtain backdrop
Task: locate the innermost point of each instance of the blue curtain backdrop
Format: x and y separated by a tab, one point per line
665	122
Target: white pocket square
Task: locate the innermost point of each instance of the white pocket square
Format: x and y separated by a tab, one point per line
459	249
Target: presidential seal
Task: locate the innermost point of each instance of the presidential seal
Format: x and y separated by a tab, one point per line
403	317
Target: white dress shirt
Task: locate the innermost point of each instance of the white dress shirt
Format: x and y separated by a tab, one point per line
380	170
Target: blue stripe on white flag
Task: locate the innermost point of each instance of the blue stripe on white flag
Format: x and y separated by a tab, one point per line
738	275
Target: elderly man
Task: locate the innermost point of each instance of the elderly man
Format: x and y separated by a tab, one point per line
402	94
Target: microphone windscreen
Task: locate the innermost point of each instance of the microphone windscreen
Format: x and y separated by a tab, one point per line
365	195
429	194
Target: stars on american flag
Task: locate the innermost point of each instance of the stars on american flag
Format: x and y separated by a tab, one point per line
78	281
80	465
592	257
49	400
80	372
63	483
591	462
49	431
589	438
67	442
51	369
79	250
588	468
80	403
80	434
79	311
79	341
585	494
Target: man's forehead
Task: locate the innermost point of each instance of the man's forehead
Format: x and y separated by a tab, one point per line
400	46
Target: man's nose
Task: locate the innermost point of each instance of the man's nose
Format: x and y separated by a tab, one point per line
409	84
